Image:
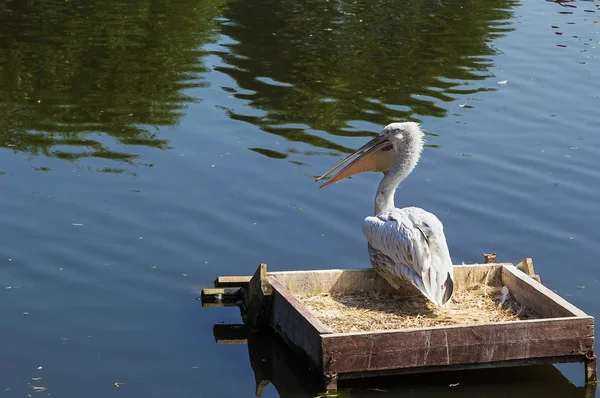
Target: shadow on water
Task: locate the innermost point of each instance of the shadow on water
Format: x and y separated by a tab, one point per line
275	364
81	79
341	67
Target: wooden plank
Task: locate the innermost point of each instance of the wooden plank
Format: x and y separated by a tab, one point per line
220	297
298	307
232	281
296	324
225	292
232	341
472	276
331	280
358	280
470	366
527	267
453	345
257	299
536	296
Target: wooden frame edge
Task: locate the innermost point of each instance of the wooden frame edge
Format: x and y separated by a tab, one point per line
300	308
536	293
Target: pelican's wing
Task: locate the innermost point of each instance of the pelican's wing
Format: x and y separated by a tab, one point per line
414	240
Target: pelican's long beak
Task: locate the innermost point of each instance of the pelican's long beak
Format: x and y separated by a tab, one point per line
375	155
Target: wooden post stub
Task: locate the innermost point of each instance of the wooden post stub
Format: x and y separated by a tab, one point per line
591	373
527	267
260	387
489	258
257	299
330	380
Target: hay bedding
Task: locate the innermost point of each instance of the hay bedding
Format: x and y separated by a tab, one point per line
354	312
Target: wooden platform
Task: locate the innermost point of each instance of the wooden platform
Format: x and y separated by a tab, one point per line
564	334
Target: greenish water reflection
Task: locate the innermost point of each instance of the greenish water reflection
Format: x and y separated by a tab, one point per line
327	65
91	78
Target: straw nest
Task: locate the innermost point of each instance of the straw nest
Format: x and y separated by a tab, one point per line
371	311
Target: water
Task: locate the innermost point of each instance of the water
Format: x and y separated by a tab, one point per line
146	148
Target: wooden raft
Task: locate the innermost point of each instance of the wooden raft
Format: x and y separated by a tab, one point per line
564	334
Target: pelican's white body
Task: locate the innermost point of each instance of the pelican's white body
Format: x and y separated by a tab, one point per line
410	244
404	244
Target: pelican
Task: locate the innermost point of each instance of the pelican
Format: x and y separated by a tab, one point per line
408	244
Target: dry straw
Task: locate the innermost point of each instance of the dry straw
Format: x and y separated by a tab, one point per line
371	311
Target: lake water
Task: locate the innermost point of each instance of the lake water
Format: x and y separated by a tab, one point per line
147	147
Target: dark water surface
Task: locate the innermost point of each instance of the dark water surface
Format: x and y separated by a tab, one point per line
147	147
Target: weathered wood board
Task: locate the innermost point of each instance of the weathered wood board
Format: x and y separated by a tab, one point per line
454	345
536	296
359	280
564	334
297	325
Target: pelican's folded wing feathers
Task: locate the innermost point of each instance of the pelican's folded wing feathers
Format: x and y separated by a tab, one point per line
414	241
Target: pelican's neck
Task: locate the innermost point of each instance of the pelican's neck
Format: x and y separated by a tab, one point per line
407	157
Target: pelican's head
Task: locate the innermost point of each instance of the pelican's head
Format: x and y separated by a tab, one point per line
396	139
